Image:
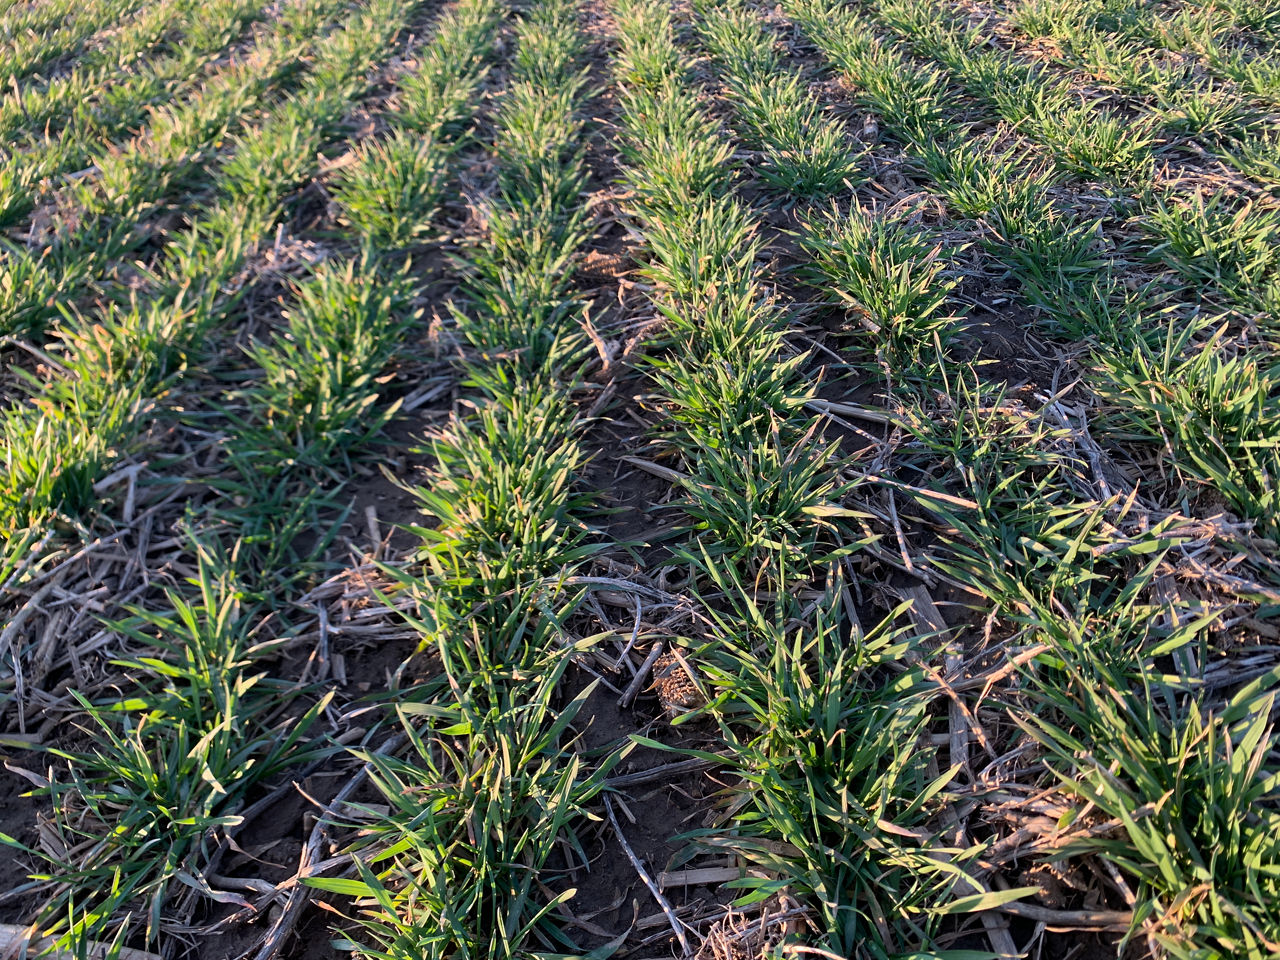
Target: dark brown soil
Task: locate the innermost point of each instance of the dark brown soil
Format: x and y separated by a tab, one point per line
18	818
611	896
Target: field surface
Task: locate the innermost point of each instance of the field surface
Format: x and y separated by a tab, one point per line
640	478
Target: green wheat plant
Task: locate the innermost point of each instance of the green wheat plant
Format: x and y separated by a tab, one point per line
827	754
804	154
1218	246
1096	143
504	495
673	147
1214	413
767	508
393	188
438	99
172	761
976	180
1191	788
890	278
319	385
452	870
906	96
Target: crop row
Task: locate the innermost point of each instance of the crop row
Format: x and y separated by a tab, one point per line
108	92
1234	40
1090	138
106	216
1070	521
1180	399
320	392
1213	249
53	31
205	722
490	786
